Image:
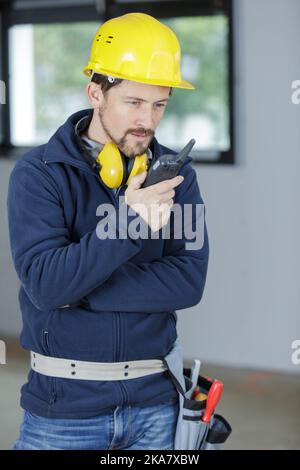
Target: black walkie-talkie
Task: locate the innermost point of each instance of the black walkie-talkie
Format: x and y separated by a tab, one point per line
167	166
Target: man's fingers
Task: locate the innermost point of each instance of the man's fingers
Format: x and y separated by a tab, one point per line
167	185
137	180
166	196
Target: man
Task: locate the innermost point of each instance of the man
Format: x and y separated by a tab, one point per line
99	313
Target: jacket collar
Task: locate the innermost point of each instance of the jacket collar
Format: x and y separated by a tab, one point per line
63	146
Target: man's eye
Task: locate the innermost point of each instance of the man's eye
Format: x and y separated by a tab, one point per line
159	105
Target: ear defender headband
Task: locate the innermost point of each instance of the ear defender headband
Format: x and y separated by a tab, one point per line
113	167
116	169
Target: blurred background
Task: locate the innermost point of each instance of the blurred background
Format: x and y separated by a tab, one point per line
243	58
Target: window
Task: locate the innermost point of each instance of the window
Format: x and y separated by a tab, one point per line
203	113
46	83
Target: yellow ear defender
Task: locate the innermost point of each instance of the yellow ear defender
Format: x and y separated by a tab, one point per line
113	167
116	169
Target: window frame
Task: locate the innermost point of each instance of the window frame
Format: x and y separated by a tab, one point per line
25	12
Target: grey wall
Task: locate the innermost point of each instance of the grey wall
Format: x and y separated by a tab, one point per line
9	308
249	314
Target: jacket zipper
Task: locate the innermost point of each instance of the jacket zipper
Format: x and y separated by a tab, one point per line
118	191
118	322
117	357
53	394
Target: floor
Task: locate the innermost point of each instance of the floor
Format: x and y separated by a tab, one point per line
263	408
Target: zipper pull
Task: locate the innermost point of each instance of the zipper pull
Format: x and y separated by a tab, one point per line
46	341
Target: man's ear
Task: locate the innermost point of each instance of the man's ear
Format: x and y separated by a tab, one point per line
94	94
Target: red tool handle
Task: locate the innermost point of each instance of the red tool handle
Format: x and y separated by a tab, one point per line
213	398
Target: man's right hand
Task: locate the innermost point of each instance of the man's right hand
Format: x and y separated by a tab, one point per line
153	203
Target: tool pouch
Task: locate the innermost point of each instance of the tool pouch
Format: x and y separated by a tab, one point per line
191	432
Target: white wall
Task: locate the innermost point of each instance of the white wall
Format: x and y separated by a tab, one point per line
249	314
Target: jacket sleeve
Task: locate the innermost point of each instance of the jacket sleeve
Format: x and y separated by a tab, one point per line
53	270
175	281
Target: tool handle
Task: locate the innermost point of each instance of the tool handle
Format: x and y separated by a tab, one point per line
213	398
195	372
195	392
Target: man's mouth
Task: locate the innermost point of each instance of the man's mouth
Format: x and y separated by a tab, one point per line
140	135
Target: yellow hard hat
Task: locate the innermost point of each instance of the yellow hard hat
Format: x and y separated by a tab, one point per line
137	47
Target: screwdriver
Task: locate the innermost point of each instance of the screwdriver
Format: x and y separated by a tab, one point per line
213	399
195	392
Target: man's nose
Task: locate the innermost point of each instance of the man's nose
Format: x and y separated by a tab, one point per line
145	120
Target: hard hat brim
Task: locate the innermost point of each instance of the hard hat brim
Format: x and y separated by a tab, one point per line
89	69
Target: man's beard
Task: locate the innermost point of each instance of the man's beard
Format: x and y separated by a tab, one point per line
122	143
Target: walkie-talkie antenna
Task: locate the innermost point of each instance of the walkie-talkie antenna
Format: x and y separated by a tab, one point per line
185	151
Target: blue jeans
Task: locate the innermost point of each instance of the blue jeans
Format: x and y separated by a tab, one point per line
125	427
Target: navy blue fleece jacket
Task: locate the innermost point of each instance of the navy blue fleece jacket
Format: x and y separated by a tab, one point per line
89	299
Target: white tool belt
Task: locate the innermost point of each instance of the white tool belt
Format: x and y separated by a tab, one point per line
83	370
